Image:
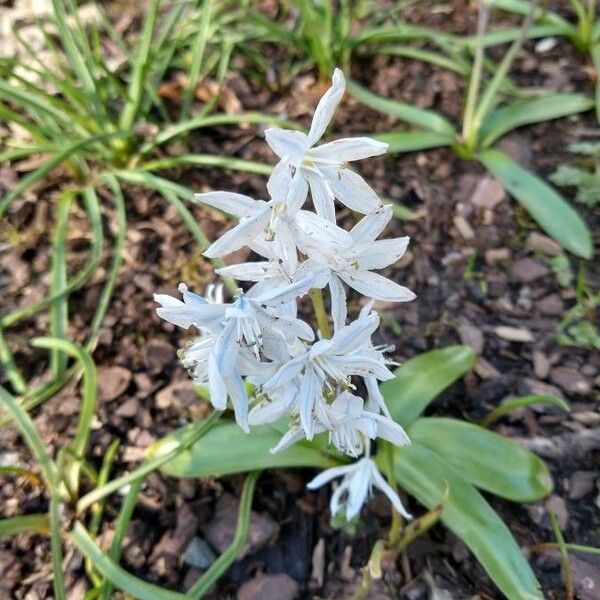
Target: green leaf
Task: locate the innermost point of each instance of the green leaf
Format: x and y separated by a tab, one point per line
409	141
138	588
485	459
514	403
427	119
595	52
545	204
426	476
24	524
227	449
533	110
422	378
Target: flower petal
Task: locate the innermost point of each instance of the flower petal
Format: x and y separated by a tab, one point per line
297	192
241	235
231	203
352	190
279	180
287	144
339	309
322	196
373	285
380	253
389	430
326	107
251	271
329	475
371	226
286	373
358	491
384	486
317	232
355	334
216	384
348	149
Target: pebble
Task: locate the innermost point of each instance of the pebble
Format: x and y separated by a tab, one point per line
551	305
581	484
497	255
488	193
112	382
485	369
527	270
570	380
471	336
269	587
541	364
513	334
198	554
537	242
463	227
559	507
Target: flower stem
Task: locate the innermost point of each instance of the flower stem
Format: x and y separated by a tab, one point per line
316	297
397	521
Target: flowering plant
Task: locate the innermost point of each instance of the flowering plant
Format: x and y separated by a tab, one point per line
290	387
312	379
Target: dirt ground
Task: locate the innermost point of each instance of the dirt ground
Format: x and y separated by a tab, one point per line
469	279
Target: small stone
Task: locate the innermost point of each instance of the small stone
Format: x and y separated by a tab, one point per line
585	572
488	193
129	408
513	334
550	305
497	255
269	587
570	380
537	242
545	45
558	506
485	369
527	270
540	388
463	227
159	354
471	336
198	554
541	364
220	531
581	484
112	382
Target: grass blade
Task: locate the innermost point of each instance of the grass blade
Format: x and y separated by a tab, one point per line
24	524
198	47
10	366
595	52
31	438
116	546
192	436
420	117
218	568
543	203
526	112
511	404
93	209
88	404
140	69
59	310
410	141
208	160
40	173
58	579
118	576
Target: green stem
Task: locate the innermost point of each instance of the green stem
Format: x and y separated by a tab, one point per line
206	581
397	520
316	297
475	80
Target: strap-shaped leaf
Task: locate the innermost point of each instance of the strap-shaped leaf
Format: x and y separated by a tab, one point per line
419	380
227	449
533	110
544	204
410	141
485	459
427	119
426	476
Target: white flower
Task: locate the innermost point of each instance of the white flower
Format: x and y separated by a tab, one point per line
328	364
348	423
324	167
234	337
356	486
277	225
354	264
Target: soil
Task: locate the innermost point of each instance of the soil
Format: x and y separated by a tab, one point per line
469	280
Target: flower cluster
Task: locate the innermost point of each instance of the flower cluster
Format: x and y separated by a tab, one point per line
258	338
